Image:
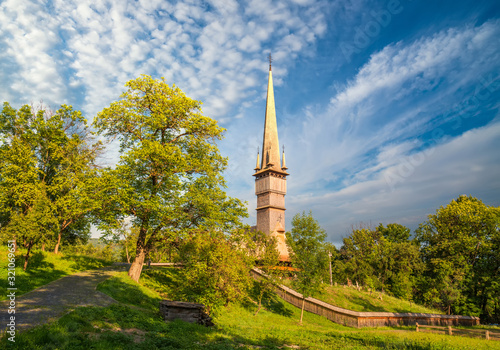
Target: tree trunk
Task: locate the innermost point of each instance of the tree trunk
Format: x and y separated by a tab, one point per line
136	267
302	311
126	251
43	246
56	249
27	256
260	304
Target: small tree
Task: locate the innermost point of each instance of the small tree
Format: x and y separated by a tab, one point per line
308	256
215	270
268	258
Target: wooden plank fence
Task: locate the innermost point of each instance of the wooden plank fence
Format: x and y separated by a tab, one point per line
366	319
476	333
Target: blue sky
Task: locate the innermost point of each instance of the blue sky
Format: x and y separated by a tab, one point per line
387	109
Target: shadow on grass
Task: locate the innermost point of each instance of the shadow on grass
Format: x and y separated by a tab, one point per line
270	301
121	327
162	279
365	304
39	272
124	290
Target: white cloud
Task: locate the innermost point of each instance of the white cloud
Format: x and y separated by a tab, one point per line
202	47
414	185
387	102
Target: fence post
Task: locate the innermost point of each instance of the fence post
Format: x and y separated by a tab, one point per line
417	325
487	335
449	330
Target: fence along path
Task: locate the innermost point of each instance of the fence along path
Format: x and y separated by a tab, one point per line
366	319
476	333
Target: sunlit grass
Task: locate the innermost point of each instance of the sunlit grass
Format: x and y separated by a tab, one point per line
352	299
43	267
136	324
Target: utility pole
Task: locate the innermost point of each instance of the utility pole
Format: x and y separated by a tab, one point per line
330	258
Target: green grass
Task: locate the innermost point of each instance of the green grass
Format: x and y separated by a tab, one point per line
136	324
352	299
43	267
122	288
123	327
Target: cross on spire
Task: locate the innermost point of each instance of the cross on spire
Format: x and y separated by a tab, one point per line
270	60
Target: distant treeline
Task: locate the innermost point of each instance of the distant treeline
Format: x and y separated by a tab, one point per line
452	262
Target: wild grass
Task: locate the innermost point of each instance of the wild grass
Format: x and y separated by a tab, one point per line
44	267
120	287
361	300
136	324
352	299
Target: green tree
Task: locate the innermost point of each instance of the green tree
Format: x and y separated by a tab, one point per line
216	270
168	180
460	246
383	258
395	232
46	157
306	244
268	258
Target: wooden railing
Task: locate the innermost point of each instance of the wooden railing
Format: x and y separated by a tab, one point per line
481	333
366	319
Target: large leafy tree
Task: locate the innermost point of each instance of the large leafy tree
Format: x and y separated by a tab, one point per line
309	258
168	180
381	258
47	158
460	246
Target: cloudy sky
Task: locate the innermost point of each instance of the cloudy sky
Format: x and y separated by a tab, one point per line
387	109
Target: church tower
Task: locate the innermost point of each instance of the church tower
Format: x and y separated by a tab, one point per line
270	178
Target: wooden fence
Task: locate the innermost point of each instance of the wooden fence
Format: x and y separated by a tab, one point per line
478	333
367	319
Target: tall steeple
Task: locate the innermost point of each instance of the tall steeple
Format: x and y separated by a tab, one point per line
270	178
270	143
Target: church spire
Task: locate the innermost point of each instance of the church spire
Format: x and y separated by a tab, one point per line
270	144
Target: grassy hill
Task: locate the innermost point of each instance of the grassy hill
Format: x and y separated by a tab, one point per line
134	323
352	299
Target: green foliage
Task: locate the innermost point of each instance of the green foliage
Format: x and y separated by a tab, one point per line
268	260
46	164
382	259
308	255
460	246
168	180
215	272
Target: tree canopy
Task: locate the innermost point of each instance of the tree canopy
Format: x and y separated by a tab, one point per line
169	177
383	258
460	246
309	258
46	163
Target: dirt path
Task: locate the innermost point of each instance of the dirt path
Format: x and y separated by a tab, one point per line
59	297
